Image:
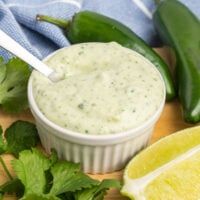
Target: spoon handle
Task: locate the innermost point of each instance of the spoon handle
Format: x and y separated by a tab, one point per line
12	46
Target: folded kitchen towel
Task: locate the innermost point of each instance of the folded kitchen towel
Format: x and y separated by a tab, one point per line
17	18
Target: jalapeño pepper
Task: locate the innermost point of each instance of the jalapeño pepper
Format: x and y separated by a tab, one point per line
179	28
87	26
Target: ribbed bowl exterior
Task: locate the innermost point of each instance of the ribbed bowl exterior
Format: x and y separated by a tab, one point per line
94	159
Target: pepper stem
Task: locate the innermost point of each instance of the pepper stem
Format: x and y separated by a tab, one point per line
59	22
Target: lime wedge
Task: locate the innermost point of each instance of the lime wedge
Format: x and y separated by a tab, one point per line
166	170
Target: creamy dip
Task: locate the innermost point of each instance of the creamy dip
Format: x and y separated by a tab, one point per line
107	89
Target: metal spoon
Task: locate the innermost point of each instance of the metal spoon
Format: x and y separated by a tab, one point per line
15	48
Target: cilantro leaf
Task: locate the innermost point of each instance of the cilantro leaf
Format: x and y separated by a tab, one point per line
13	85
49	178
67	177
97	192
12	186
19	136
2	144
104	186
108	183
67	196
30	169
53	157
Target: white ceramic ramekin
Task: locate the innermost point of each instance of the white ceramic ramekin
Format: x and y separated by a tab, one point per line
96	153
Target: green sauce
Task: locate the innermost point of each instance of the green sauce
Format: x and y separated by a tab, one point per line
107	89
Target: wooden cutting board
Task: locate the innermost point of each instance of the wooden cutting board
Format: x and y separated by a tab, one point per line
169	122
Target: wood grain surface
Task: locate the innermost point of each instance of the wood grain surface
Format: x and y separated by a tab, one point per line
169	122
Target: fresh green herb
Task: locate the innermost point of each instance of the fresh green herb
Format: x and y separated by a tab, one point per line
13	85
19	136
67	179
53	157
67	196
39	177
30	169
97	192
2	145
13	186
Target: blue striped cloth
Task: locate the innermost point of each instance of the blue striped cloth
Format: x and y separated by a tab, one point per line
17	18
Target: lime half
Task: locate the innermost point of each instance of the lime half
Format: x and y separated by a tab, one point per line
166	170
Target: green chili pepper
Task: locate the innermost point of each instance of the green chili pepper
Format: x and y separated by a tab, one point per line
179	28
88	26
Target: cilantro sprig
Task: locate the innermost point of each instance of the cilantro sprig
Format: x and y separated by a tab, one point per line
14	77
42	177
19	136
46	180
